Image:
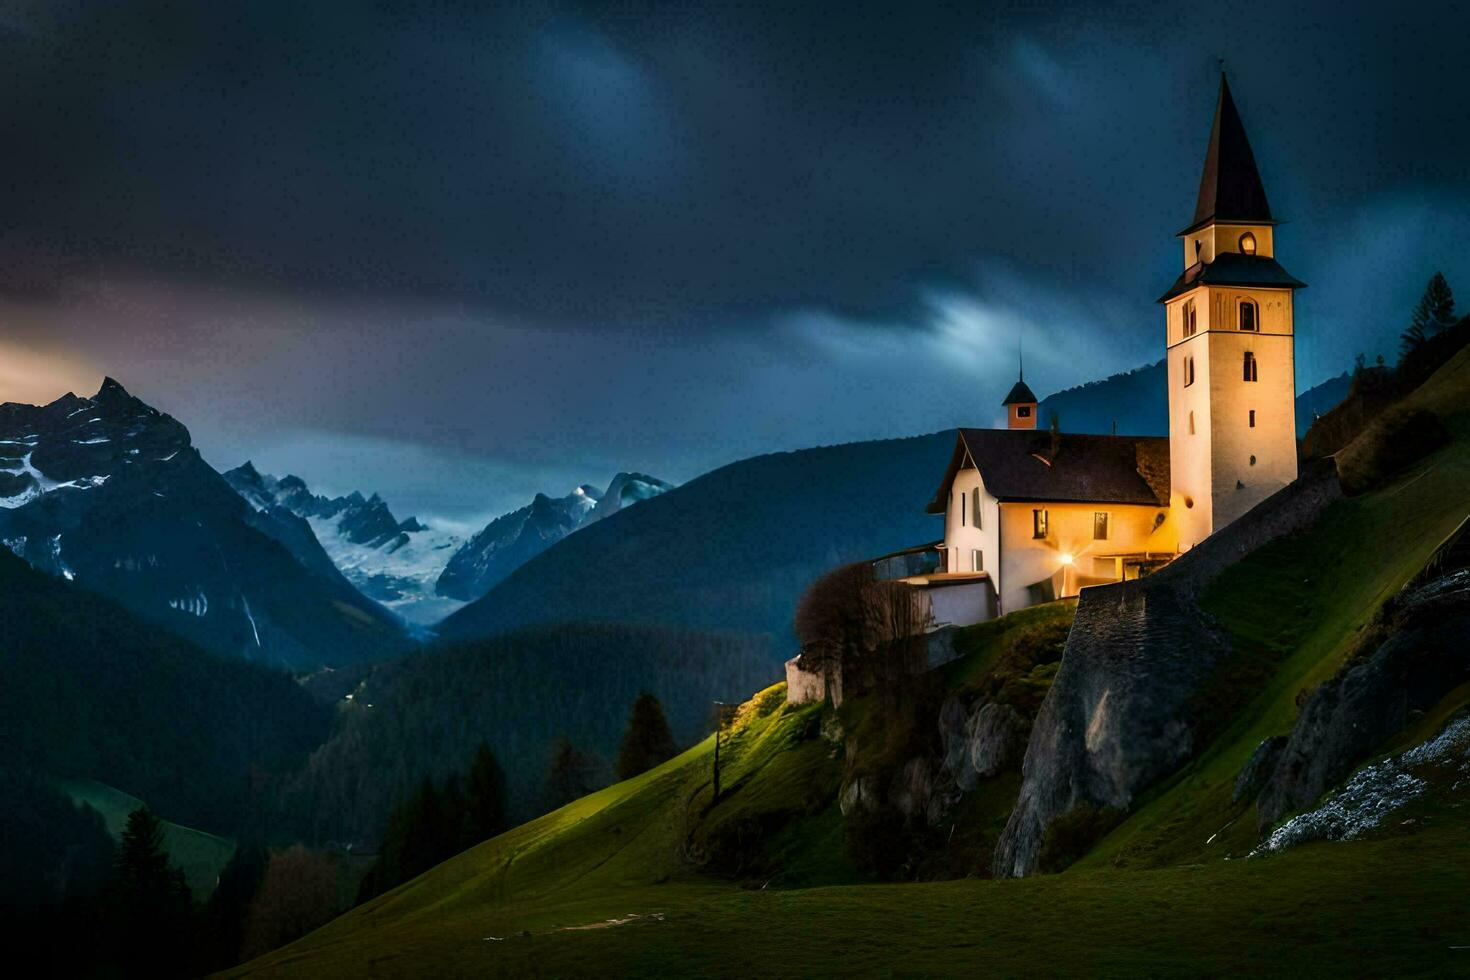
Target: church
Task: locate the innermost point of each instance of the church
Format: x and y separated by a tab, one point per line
1032	515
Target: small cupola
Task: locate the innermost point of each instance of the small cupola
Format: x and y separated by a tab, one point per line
1020	406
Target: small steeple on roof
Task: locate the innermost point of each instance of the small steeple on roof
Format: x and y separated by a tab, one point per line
1230	188
1020	395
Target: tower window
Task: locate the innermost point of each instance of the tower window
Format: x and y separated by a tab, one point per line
1023	411
1253	461
1248	318
1038	523
1188	371
1190	323
1191	423
1248	244
1253	418
964	509
1250	367
1100	526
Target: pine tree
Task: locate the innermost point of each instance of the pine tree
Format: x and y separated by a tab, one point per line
484	797
647	741
570	776
1434	312
151	906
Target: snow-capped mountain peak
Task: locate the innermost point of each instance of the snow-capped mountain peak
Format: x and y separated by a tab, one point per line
110	493
513	539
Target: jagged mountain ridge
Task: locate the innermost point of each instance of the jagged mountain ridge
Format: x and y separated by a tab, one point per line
420	571
109	492
513	539
394	562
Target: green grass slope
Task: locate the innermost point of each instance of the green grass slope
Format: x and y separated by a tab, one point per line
199	855
605	886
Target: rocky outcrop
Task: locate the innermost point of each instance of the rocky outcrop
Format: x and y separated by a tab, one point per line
981	742
1125	708
1258	768
1377	791
1346	719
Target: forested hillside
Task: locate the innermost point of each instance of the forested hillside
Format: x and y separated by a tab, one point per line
89	691
424	716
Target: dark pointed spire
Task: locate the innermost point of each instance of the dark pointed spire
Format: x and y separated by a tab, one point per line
1231	188
1021	394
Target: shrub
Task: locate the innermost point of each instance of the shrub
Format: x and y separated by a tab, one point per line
1398	438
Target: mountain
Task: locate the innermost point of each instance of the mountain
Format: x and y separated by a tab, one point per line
731	550
509	541
395	562
421	572
109	492
1137	402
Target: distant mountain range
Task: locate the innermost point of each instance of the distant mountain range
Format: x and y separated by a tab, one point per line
510	541
393	562
108	492
419	571
1137	402
731	550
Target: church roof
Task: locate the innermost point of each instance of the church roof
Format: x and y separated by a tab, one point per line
1233	269
1025	465
1230	188
1021	394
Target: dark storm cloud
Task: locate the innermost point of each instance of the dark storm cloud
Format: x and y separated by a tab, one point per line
652	161
667	235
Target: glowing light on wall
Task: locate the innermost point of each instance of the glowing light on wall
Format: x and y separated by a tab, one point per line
1067	559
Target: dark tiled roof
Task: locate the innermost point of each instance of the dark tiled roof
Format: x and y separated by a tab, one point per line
1019	465
1233	269
1230	188
1020	395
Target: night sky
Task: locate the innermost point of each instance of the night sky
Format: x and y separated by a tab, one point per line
460	255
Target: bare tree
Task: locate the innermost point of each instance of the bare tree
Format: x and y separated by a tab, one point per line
871	632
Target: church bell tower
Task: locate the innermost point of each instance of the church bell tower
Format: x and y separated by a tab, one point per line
1232	376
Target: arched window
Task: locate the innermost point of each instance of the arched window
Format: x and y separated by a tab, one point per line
1248	244
1250	367
1189	318
975	507
1249	318
1191	423
1188	371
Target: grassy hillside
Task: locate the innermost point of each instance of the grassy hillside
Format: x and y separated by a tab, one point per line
608	885
199	855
